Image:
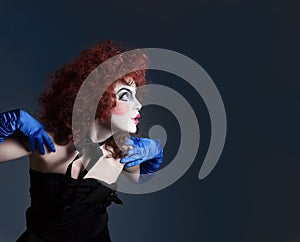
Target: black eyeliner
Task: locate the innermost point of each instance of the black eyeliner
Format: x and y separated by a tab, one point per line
122	95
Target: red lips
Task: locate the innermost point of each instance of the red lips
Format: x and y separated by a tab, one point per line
137	116
135	119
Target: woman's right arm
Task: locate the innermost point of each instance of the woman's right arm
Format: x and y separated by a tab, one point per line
13	148
18	129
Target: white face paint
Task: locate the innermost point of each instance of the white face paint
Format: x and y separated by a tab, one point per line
125	115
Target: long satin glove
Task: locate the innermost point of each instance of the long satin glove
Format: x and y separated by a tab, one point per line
20	120
146	152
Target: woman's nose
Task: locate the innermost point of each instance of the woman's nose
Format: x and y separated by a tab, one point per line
138	105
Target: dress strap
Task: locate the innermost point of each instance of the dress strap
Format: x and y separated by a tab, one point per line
69	169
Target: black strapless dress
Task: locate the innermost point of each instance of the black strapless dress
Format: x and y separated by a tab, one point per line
64	209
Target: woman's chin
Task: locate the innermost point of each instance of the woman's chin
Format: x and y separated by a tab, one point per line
132	130
127	130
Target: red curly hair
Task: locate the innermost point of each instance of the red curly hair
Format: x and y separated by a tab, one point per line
57	103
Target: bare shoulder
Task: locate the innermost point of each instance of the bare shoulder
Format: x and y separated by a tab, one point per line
55	162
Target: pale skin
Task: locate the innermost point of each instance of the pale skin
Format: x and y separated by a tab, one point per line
106	169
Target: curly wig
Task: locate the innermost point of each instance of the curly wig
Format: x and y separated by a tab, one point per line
57	103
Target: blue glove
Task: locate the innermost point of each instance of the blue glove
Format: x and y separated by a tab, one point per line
147	152
20	120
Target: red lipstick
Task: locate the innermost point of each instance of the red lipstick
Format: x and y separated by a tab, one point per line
137	116
135	119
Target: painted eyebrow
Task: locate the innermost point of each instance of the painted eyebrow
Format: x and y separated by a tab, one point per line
124	88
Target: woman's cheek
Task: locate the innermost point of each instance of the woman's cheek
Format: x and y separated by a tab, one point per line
121	109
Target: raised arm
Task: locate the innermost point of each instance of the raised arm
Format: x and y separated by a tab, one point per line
18	128
144	159
133	173
13	148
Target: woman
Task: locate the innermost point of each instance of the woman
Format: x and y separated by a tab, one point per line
69	201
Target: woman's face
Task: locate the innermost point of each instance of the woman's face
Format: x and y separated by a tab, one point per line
125	114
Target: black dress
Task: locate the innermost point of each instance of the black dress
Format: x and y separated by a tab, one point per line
64	209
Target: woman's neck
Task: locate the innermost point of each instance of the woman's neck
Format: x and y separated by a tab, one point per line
99	132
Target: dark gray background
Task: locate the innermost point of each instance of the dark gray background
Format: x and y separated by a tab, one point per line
249	48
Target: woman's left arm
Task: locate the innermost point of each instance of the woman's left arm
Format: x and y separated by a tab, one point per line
144	159
133	173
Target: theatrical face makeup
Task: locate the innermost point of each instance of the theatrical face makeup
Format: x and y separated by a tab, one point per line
125	114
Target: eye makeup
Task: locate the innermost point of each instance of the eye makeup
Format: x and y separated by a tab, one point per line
125	96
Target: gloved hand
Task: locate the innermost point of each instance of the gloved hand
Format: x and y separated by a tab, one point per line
147	152
20	120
